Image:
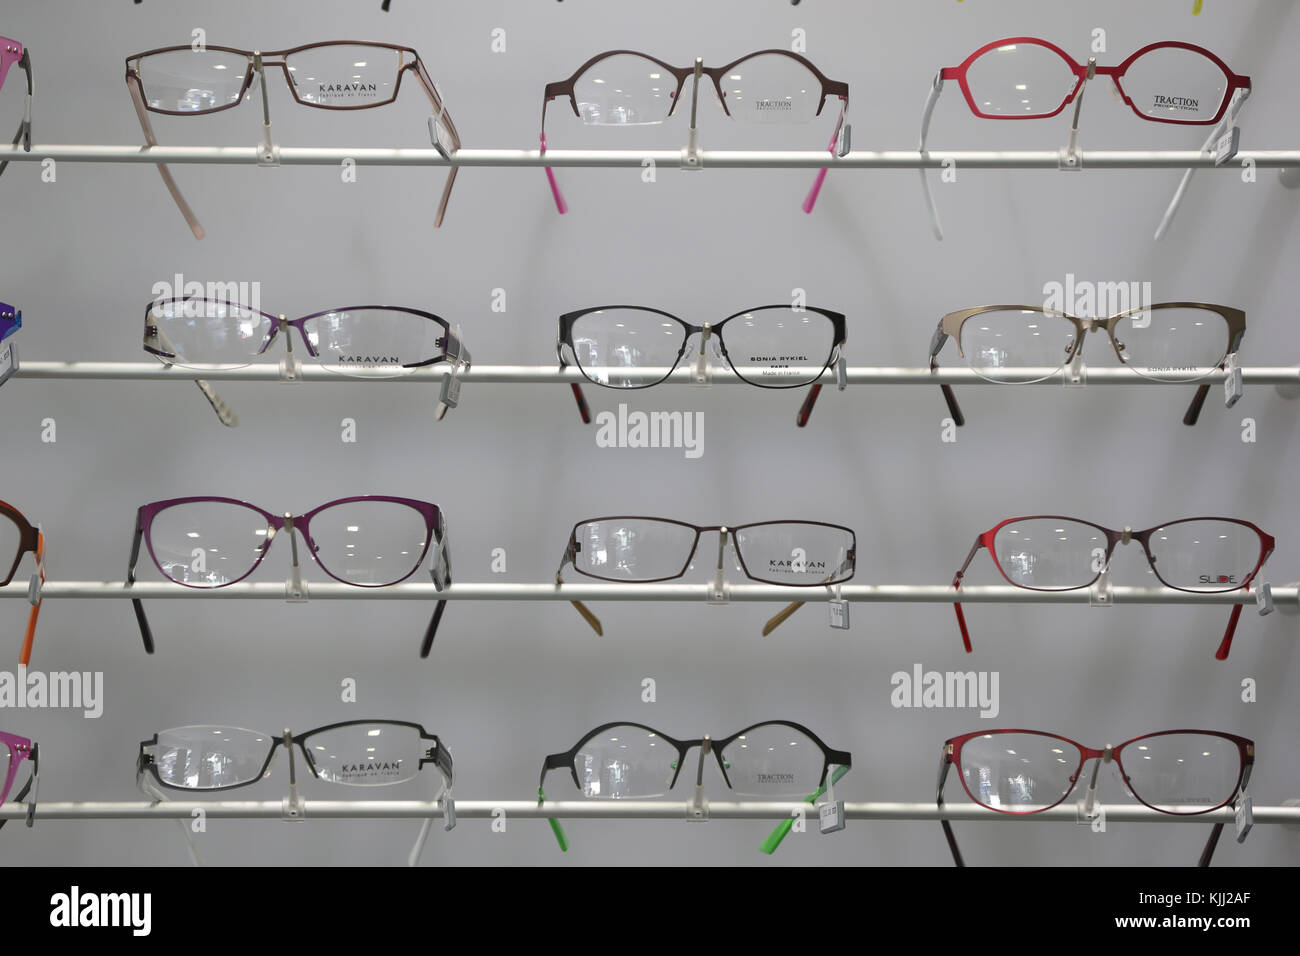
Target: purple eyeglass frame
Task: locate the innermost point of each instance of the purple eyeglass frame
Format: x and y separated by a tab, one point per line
11	320
20	749
435	527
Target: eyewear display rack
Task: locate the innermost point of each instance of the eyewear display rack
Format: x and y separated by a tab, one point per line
694	160
1283	597
620	810
1285	377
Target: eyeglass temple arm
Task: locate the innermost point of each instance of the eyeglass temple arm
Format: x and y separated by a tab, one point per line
774	838
24	133
148	788
945	761
440	115
583	409
25	656
442	760
570	551
935	89
457	355
552	762
811	199
133	84
146	634
810	400
936	344
441	574
1216	831
1239	98
784	614
956	583
223	411
561	206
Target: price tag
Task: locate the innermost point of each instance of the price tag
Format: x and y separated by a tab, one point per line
1225	148
831	816
1245	818
840	614
8	361
1232	382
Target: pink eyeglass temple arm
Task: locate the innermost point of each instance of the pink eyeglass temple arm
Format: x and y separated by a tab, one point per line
811	199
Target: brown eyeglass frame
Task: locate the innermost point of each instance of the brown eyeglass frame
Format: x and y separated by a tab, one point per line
30	539
951	325
566	89
272	58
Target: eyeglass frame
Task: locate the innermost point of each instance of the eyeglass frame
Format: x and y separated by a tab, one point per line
950	326
435	529
1113	538
30	538
20	749
12	52
573	548
453	346
951	756
1234	98
705	331
842	760
438	755
562	88
257	64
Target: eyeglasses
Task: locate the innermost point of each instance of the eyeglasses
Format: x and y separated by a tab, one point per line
1016	344
14	750
1022	78
359	341
1180	772
1054	553
642	550
369	541
354	753
12	52
626	88
776	759
334	75
772	346
18	536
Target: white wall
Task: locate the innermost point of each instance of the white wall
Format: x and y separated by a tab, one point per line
508	683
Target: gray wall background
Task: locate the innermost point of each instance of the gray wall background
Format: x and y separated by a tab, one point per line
513	467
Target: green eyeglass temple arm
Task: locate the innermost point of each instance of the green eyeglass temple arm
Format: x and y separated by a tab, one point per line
774	838
558	830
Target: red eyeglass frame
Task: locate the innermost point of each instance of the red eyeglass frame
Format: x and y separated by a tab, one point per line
1113	537
1116	73
1245	753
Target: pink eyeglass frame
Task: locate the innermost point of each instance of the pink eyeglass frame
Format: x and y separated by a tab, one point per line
1080	70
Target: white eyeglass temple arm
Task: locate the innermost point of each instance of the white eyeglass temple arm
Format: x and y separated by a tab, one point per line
1229	118
935	89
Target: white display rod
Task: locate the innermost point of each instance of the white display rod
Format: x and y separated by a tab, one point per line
622	810
1283	597
663	158
553	375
